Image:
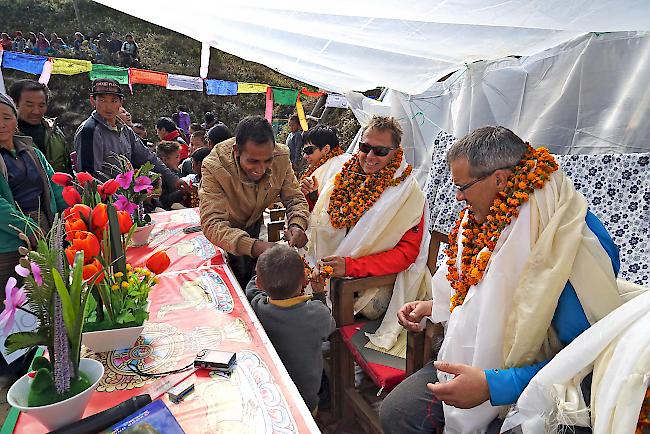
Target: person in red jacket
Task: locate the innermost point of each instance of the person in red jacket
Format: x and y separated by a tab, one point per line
168	131
369	221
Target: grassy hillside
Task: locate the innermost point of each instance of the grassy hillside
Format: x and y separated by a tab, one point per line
160	49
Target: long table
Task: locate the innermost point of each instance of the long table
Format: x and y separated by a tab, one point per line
198	304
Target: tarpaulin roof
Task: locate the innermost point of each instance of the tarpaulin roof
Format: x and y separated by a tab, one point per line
405	45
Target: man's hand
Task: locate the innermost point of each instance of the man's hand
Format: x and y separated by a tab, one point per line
295	236
410	315
317	282
308	185
337	263
260	247
467	389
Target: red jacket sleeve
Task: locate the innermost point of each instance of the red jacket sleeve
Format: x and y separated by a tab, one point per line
397	259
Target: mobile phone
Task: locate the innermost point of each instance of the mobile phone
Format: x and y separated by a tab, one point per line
192	229
213	360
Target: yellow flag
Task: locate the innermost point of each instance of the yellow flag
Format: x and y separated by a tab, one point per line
70	66
251	88
301	114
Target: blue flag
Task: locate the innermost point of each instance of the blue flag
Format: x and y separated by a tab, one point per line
220	87
23	62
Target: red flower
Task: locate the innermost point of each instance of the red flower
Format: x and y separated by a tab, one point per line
84	177
78	211
71	195
70	253
62	179
124	218
99	216
158	262
74	225
87	242
109	188
93	270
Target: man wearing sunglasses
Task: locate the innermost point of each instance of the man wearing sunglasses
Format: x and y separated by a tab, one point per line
241	177
546	277
389	236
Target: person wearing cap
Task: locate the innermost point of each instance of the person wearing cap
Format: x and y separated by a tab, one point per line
103	137
240	178
28	197
31	98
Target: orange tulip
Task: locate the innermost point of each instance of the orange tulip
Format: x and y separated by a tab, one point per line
78	211
100	216
87	242
92	270
124	218
158	262
70	253
74	225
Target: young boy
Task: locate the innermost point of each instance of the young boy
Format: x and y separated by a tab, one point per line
194	179
169	154
296	324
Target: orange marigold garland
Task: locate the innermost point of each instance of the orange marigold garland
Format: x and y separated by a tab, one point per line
331	154
643	426
479	240
355	192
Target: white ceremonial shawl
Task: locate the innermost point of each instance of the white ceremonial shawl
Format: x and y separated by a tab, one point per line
329	169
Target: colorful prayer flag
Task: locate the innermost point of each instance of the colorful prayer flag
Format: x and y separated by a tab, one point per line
47	73
2	81
220	87
184	82
337	101
268	112
301	115
23	62
251	88
285	96
306	92
70	66
107	71
144	76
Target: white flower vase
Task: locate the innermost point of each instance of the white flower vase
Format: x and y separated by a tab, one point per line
59	414
141	234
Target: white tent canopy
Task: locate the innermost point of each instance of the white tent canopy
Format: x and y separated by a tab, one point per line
403	45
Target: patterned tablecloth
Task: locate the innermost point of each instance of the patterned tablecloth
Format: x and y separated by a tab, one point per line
199	305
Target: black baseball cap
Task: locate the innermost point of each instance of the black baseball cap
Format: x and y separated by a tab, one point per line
106	86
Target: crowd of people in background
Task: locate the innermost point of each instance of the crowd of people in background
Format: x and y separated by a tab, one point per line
100	47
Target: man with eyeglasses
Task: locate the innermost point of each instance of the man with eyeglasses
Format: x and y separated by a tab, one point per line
530	269
369	221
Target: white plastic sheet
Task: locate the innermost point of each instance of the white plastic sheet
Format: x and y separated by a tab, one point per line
586	96
343	45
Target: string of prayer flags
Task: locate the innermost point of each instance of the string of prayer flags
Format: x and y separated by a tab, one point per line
184	82
337	101
220	87
23	62
251	88
301	115
306	92
121	75
70	66
47	72
285	96
268	112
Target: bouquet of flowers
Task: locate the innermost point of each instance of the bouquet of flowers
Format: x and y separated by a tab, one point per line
55	291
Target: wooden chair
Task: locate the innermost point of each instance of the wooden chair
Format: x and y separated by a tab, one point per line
276	225
348	403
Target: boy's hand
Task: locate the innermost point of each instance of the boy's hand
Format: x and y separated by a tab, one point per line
308	185
317	282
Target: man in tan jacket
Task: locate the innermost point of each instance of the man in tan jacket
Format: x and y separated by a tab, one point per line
241	177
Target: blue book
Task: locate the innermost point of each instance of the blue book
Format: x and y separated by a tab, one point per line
154	418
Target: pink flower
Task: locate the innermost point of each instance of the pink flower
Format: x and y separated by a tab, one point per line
143	183
124	204
36	272
15	297
124	179
21	271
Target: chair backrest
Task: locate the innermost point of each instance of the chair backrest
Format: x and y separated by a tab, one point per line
616	186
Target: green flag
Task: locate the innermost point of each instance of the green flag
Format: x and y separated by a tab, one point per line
106	71
284	96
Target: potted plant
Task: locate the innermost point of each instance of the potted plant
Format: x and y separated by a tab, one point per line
55	291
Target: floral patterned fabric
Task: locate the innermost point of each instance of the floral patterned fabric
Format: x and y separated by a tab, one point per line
616	186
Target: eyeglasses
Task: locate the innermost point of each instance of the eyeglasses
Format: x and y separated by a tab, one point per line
464	187
380	151
308	150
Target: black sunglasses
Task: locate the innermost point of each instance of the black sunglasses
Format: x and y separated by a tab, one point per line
462	188
308	150
380	151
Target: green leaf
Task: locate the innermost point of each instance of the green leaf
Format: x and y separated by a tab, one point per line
20	340
77	279
69	311
125	317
